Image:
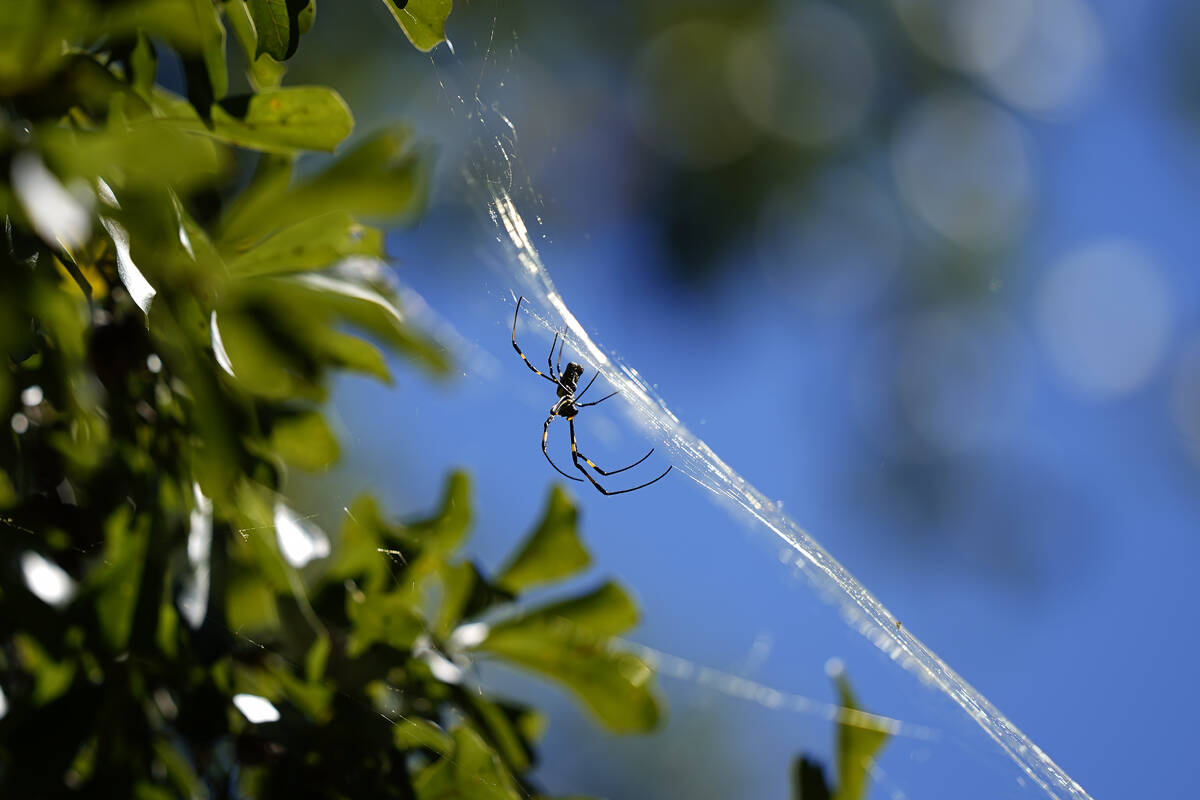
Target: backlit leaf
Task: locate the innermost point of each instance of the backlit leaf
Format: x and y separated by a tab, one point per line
283	120
569	642
859	738
423	21
312	244
552	552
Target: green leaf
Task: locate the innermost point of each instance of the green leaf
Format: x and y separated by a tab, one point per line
458	584
509	728
605	611
366	309
358	555
317	657
283	120
212	46
307	16
143	64
415	732
276	25
472	772
384	178
312	244
552	552
389	618
305	440
51	678
446	530
569	642
118	581
144	154
263	71
423	21
859	738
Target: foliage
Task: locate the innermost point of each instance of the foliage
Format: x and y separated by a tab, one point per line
175	298
859	738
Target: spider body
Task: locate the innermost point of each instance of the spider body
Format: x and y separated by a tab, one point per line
567	407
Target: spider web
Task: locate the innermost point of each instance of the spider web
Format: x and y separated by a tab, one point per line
496	185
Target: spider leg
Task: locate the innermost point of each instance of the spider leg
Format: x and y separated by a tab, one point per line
575	458
550	359
589	385
598	402
518	349
615	471
560	353
546	453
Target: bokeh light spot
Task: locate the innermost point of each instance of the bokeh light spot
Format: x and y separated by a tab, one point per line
681	104
963	166
1104	313
808	78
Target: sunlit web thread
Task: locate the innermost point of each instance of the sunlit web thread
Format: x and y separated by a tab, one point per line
727	683
489	178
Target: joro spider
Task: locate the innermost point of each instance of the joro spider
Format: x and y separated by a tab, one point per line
568	406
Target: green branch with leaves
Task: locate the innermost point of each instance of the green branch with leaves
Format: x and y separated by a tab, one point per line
176	298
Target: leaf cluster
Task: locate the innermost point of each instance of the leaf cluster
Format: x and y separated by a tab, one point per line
175	298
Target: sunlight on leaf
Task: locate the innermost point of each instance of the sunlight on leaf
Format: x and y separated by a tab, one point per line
283	120
423	21
568	641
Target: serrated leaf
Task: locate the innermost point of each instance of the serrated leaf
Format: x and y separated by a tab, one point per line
312	244
423	21
552	552
606	611
472	772
283	120
569	642
384	178
446	529
366	309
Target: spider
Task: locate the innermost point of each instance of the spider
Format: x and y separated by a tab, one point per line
568	406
